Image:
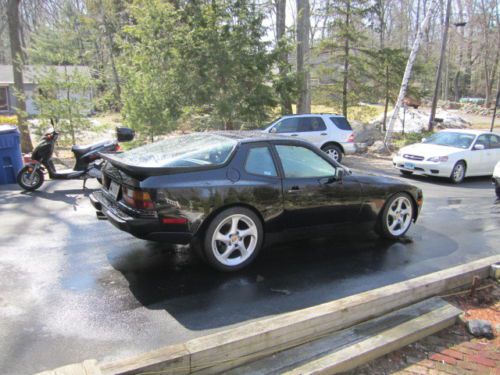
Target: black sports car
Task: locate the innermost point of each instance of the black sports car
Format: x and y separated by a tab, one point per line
227	192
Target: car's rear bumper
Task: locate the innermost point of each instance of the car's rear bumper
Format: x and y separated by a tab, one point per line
349	148
145	228
423	167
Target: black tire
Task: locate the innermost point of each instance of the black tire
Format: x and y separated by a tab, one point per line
382	226
405	173
497	190
220	219
458	172
37	179
333	151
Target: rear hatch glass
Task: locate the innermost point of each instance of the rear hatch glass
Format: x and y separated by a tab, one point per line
186	151
341	123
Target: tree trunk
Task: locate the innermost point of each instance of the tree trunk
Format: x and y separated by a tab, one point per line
346	58
407	74
304	100
440	66
17	67
283	67
386	105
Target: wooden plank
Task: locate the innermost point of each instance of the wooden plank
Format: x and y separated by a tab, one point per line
382	342
88	367
228	349
173	359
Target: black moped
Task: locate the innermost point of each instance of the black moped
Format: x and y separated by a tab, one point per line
87	160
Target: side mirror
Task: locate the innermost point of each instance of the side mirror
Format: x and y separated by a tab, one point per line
273	130
479	146
340	173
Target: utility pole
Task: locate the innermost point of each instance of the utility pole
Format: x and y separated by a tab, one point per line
440	66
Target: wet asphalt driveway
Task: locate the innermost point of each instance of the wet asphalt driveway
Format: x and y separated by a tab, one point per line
74	288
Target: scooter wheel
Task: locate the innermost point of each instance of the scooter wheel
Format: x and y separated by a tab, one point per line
23	178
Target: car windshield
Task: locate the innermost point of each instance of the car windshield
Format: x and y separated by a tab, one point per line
451	139
193	150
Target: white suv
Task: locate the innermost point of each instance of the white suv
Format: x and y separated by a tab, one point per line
331	133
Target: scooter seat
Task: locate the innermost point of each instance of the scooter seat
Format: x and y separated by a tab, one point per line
81	150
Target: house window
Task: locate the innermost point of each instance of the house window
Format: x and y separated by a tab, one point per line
4	98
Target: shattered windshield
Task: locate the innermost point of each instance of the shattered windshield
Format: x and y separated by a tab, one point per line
192	150
459	140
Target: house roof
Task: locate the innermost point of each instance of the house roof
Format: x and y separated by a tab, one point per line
7	74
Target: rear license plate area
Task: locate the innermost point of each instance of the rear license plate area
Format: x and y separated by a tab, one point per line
114	190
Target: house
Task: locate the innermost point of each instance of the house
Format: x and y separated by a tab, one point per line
7	98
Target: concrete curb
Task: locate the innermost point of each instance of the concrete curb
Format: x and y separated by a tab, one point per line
224	350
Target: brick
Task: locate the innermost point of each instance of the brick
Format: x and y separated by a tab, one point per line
443	358
463	349
481	360
453	354
474	345
492	355
467	365
426	363
416	369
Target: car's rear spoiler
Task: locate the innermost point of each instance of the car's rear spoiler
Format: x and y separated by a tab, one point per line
143	172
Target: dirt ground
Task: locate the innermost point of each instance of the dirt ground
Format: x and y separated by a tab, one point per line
453	350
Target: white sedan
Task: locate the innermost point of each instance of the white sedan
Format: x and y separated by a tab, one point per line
454	154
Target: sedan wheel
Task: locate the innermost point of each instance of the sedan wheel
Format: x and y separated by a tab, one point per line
396	217
458	173
233	239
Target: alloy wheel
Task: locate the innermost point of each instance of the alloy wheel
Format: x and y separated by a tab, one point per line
458	172
333	153
399	216
234	240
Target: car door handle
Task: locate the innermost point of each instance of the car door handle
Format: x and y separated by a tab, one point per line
324	134
294	135
294	189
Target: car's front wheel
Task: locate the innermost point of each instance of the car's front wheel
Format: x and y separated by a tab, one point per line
458	173
333	151
233	239
405	173
396	217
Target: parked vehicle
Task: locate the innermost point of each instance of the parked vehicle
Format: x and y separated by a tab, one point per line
331	133
496	179
454	154
227	192
87	160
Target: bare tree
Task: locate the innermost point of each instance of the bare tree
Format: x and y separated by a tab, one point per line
17	66
283	66
303	52
409	67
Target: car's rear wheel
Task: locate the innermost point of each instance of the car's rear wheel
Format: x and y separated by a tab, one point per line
497	190
333	151
396	217
458	172
405	173
233	239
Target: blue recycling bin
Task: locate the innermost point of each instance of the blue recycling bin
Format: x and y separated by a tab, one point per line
11	158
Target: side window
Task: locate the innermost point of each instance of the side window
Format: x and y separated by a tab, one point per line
311	124
494	141
259	161
287	125
483	140
341	123
300	162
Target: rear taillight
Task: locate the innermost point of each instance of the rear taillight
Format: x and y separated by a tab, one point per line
351	138
137	199
118	147
174	220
